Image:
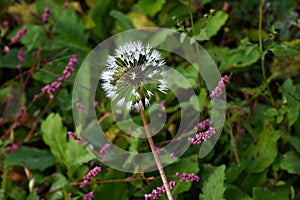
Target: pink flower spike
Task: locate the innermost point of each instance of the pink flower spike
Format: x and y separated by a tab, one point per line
218	91
5	23
89	196
21	55
187	177
66	4
46	15
18	36
92	173
6	49
104	151
159	191
204	124
75	137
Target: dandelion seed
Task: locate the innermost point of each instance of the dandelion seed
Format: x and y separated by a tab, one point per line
132	74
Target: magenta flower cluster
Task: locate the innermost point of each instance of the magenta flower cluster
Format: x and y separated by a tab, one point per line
50	88
159	191
21	55
202	125
187	177
103	151
74	136
5	23
217	92
92	173
89	196
46	15
203	136
20	115
18	36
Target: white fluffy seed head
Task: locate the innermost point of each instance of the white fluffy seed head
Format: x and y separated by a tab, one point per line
132	74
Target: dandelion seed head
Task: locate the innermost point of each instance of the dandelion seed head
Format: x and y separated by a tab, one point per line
132	74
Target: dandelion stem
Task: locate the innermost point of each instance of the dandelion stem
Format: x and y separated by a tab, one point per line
155	155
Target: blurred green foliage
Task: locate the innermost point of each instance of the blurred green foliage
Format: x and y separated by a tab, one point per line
258	154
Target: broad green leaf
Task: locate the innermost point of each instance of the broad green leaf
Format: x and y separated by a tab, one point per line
242	56
233	172
149	7
71	32
234	193
291	93
122	19
295	142
117	190
33	158
33	196
60	182
70	153
54	135
10	59
213	188
265	194
287	48
263	150
4	92
34	37
291	162
215	23
246	182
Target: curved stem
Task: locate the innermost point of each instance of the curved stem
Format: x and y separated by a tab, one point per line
155	155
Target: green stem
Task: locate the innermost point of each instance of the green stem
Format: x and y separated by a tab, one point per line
263	69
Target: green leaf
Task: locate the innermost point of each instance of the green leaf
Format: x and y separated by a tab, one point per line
233	172
10	59
34	37
60	182
33	158
33	196
263	150
150	7
122	19
213	188
70	153
54	135
271	112
234	193
71	32
215	23
109	191
264	194
242	56
287	48
291	162
295	142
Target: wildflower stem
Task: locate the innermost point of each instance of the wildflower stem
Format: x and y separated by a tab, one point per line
155	155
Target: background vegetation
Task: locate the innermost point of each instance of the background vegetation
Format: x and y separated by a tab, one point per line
258	154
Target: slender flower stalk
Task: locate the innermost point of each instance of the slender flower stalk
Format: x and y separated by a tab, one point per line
131	77
52	87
